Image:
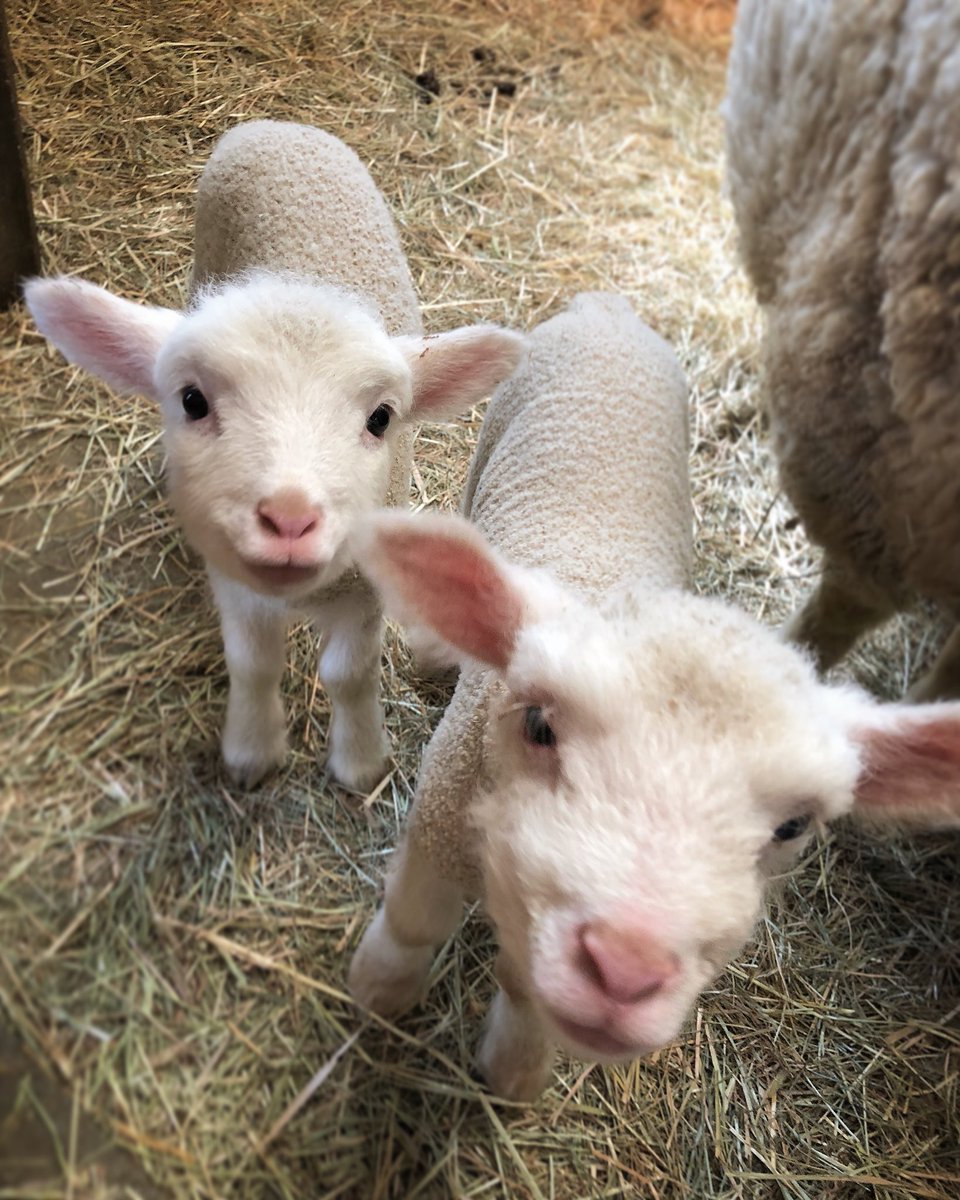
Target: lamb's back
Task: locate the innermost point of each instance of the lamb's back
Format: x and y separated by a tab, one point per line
279	196
581	464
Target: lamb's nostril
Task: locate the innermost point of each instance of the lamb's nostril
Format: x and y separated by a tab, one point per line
288	515
626	964
267	523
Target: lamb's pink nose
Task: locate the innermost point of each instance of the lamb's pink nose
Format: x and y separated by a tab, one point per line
627	964
288	514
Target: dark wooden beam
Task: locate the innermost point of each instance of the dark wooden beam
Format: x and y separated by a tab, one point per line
19	249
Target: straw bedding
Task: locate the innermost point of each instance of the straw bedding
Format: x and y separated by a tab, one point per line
174	949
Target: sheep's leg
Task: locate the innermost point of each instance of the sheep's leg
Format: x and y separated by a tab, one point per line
839	611
254	642
420	910
349	669
942	681
516	1056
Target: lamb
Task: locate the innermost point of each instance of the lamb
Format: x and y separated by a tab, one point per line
289	389
623	764
843	136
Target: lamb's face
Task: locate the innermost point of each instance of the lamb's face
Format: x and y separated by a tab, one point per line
282	404
651	772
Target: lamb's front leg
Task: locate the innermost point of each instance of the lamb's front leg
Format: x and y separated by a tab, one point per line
254	642
420	910
516	1055
349	670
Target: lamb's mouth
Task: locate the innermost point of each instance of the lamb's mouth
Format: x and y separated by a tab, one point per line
281	574
596	1040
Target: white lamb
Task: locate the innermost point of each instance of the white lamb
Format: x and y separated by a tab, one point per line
289	390
623	765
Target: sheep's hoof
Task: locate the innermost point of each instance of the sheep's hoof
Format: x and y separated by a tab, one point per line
385	976
357	773
510	1079
513	1059
248	765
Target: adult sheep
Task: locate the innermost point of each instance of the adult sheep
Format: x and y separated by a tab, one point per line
289	390
843	144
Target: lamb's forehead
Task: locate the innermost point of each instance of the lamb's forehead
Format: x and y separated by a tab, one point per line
289	320
667	652
690	685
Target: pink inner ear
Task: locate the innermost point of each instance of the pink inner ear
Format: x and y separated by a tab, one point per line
458	591
453	370
439	371
116	339
914	765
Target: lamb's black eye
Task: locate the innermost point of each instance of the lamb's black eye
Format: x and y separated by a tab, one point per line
194	403
378	421
791	829
535	728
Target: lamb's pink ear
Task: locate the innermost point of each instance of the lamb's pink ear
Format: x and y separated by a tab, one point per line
115	339
910	763
453	371
438	572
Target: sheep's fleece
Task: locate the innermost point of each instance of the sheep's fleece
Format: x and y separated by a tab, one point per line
843	138
345	233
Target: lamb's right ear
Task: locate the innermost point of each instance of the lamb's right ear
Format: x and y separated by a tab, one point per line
115	339
438	573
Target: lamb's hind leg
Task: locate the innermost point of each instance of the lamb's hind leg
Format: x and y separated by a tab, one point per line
942	681
421	909
840	610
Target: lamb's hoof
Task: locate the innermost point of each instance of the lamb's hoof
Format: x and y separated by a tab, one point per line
510	1077
247	766
384	976
253	746
356	773
513	1059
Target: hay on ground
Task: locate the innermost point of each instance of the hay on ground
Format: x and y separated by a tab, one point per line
173	949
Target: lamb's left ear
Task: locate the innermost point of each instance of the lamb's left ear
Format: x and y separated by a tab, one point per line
453	371
439	574
115	339
909	763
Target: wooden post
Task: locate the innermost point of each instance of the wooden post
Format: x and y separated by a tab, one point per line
19	250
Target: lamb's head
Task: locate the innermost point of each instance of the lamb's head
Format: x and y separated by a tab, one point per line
283	401
650	767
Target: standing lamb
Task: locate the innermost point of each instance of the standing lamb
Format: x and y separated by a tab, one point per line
843	141
623	764
289	390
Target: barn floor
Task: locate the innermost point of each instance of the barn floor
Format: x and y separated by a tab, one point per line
172	950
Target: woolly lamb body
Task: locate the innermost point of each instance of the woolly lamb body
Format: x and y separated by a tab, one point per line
843	135
538	505
290	389
318	213
623	764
